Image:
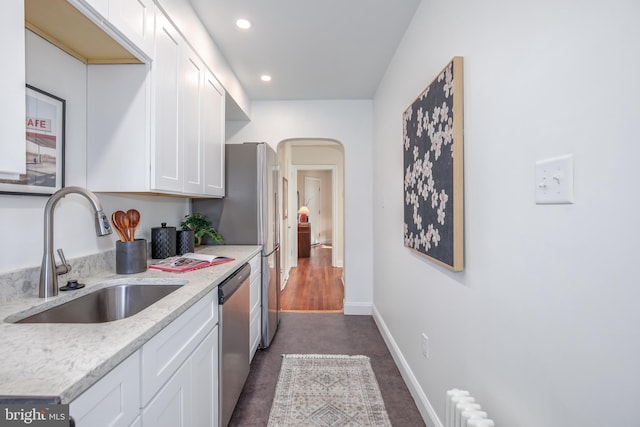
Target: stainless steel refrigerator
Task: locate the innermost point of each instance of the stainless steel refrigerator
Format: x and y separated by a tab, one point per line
248	215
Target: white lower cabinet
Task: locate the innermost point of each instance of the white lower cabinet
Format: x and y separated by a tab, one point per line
163	354
171	406
255	305
204	382
190	396
114	400
171	381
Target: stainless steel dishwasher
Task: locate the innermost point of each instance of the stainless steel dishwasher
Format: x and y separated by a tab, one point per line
233	340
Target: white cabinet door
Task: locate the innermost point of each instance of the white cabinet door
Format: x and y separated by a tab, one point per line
118	127
167	350
204	386
171	406
190	397
255	304
12	88
212	124
166	151
100	6
114	400
135	19
192	70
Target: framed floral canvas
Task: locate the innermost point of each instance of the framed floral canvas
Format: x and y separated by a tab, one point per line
433	170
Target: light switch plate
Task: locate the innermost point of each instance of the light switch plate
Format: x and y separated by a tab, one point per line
554	180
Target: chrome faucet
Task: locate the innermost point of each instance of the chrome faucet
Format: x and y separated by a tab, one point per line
49	271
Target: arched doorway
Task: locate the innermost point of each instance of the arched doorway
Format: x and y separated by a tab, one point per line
323	160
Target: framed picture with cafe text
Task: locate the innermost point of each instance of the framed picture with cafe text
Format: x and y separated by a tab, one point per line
44	154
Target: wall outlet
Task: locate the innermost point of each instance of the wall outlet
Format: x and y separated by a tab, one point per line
425	345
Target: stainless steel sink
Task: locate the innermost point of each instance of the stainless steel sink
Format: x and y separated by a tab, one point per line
104	305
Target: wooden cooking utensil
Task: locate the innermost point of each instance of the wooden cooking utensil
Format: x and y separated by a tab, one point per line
134	219
117	225
124	220
121	222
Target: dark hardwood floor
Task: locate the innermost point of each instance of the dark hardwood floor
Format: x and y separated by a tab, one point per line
314	285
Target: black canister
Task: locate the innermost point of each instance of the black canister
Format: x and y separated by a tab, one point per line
163	241
186	241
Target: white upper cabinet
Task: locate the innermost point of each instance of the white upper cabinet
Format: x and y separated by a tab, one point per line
130	23
118	117
212	128
12	87
188	136
191	123
202	128
166	150
136	20
160	125
155	112
100	6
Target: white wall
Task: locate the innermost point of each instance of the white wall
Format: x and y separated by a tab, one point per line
350	123
22	217
542	325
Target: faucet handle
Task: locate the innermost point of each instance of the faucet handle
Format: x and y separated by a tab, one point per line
65	267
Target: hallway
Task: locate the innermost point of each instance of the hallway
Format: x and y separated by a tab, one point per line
314	333
314	285
312	322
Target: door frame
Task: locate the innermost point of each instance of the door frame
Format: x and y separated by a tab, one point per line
306	183
292	220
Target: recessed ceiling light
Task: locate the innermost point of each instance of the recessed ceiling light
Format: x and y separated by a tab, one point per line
244	24
265	78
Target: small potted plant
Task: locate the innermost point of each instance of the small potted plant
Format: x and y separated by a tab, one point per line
201	227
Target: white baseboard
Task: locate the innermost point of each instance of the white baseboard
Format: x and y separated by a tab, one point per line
285	280
357	308
423	404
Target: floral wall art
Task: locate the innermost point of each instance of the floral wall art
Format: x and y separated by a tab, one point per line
433	170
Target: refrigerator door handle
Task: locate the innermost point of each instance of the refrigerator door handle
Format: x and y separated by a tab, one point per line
275	248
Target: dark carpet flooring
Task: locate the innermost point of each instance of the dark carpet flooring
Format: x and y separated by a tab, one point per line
301	333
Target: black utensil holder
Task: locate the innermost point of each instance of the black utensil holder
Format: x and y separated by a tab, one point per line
131	257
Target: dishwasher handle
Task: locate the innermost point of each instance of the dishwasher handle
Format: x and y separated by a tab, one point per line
233	283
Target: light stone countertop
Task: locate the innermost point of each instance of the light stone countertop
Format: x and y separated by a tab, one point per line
63	360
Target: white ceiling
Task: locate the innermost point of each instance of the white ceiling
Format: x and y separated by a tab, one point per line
323	49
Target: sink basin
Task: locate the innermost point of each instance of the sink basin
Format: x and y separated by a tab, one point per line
104	305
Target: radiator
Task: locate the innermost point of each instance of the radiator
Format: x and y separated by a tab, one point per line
462	410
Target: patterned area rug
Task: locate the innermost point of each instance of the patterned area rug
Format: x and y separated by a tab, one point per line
318	390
